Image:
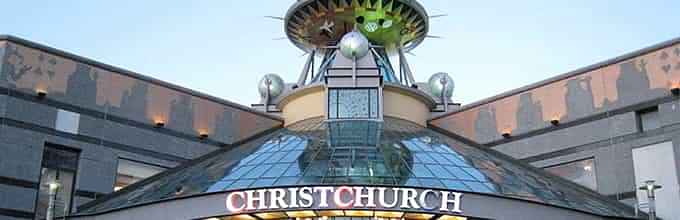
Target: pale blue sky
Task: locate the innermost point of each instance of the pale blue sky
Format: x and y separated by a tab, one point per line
223	47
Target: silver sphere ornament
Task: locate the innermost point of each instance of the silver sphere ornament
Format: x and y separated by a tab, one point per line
273	83
354	45
437	82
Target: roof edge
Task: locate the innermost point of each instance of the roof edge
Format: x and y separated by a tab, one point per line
579	71
88	61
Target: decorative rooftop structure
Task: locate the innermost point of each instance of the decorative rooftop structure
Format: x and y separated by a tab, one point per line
356	142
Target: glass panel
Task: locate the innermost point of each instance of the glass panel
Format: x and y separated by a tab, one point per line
581	172
333	103
353	103
393	152
276	170
56	182
67	121
649	119
130	172
373	103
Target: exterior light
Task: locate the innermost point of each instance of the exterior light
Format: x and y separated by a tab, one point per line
53	186
588	168
555	122
675	91
506	134
650	187
159	124
41	93
203	135
51	205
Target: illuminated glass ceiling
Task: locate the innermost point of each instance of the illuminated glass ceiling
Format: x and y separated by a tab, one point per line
393	152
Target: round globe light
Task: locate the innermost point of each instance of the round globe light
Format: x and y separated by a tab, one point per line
354	45
436	83
272	83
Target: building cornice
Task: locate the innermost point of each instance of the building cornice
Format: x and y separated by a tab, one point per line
573	73
134	75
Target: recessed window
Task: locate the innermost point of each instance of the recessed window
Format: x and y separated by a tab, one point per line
57	178
130	172
67	121
353	104
648	119
581	172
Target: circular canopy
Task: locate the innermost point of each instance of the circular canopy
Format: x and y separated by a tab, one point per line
394	24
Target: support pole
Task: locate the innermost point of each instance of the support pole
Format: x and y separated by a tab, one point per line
354	70
51	205
268	83
305	70
407	71
444	83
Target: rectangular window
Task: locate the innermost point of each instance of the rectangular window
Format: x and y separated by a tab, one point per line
353	104
59	167
581	172
130	172
648	119
67	121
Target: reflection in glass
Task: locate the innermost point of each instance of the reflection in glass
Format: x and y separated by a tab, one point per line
389	152
57	177
581	172
130	172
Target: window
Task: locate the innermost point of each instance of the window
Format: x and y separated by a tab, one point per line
581	172
648	119
67	121
130	172
353	104
57	178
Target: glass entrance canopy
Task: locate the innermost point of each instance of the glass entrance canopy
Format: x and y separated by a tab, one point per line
392	152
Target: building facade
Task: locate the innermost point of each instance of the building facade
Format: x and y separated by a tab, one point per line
610	126
355	137
94	128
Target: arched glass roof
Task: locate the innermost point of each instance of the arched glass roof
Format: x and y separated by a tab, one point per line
392	152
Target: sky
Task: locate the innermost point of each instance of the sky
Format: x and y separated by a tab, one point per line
223	47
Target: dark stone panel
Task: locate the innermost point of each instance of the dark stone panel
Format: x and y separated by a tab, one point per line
90	151
21	153
31	112
676	147
146	139
91	126
613	158
614	169
569	137
3	105
96	176
17	198
669	113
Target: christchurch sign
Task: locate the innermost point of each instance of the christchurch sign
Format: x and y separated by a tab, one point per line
343	197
